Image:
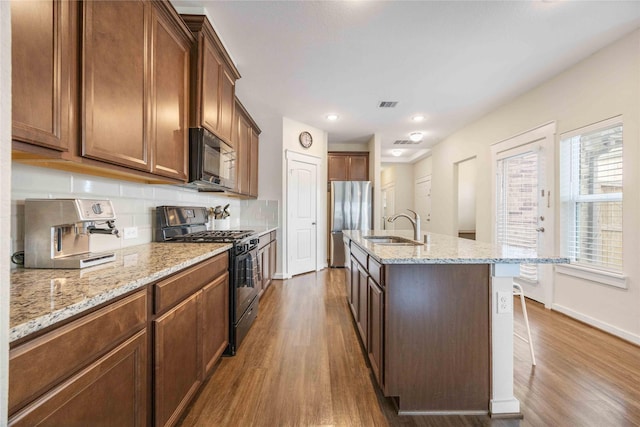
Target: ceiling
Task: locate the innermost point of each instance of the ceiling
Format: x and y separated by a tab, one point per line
451	61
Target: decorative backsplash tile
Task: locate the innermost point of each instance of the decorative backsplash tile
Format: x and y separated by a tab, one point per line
134	203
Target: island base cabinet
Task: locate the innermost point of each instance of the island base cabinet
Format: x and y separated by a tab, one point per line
437	337
110	392
178	369
376	330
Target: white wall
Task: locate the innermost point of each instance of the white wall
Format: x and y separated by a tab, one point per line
348	146
467	195
290	131
5	199
604	85
401	176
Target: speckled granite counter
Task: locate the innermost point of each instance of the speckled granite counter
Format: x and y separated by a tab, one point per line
43	297
443	249
260	230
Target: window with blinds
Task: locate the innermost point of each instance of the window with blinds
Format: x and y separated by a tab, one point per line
591	192
517	210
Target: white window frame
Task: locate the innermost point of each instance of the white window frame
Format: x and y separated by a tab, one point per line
603	275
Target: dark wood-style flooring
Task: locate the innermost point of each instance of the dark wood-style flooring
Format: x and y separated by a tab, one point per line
302	365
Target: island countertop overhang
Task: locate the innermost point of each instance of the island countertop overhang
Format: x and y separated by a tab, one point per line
443	249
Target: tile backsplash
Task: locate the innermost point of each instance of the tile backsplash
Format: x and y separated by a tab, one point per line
134	203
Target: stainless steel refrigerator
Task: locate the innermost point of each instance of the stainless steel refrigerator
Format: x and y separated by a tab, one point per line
350	209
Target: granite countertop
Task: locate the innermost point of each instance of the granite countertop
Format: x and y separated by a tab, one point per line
43	297
260	230
443	249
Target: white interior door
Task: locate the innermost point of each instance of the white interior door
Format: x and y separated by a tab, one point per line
302	191
422	201
523	209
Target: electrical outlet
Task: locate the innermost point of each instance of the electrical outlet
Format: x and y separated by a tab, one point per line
130	232
505	300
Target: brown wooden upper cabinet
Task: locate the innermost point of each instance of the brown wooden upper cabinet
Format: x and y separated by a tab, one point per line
213	80
42	34
348	166
135	64
246	138
127	63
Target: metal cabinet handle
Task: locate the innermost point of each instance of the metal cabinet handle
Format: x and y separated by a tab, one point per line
540	229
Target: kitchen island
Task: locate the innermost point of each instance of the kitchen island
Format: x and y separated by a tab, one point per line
429	318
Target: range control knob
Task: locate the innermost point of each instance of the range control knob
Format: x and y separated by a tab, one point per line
97	208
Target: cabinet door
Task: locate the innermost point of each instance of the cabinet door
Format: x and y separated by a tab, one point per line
111	391
215	321
115	66
376	330
211	69
227	93
177	361
358	168
354	291
338	167
266	267
253	163
262	269
243	155
273	258
170	107
363	291
41	59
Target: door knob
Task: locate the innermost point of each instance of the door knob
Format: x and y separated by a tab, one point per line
540	229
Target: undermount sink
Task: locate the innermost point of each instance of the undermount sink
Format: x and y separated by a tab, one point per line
392	240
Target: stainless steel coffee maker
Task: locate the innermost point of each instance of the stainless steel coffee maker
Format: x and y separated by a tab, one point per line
57	232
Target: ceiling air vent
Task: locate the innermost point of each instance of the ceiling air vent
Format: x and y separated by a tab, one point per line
387	104
406	142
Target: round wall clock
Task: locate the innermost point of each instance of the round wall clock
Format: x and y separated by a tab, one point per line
305	139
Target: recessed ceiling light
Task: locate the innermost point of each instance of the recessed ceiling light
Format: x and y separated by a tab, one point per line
415	136
332	117
396	152
417	118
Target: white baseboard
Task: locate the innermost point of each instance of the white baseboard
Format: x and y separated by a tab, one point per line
613	330
280	276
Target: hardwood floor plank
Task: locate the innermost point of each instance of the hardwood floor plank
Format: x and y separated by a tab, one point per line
302	364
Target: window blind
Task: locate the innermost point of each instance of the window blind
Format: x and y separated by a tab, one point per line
591	193
517	210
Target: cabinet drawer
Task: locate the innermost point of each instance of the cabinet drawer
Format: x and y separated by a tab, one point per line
170	291
273	235
38	365
375	271
359	254
111	392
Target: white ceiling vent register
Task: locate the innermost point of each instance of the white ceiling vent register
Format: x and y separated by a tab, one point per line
387	104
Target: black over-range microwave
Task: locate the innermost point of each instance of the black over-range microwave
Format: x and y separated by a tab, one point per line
212	162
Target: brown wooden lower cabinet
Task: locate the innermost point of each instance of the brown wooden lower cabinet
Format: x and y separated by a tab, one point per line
177	364
65	378
97	370
190	333
110	392
267	256
215	321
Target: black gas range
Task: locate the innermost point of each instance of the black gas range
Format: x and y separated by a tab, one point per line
189	225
